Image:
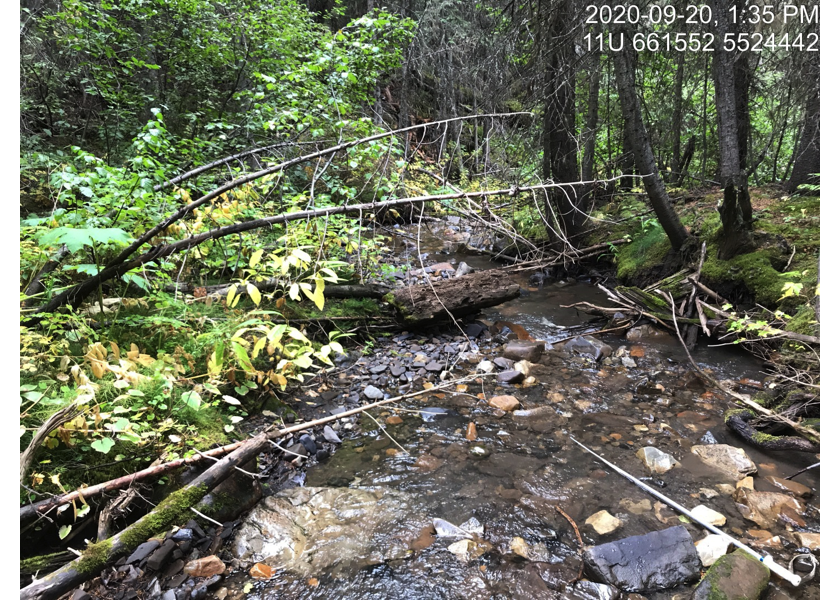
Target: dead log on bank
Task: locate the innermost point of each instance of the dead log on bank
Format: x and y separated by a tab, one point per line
175	509
371	290
424	304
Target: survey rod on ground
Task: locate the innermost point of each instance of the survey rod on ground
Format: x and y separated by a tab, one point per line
765	560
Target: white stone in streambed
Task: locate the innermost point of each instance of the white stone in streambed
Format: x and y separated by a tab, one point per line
707	515
656	461
485	366
711	548
373	393
603	522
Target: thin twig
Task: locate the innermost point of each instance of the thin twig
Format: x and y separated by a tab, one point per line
388	435
580	541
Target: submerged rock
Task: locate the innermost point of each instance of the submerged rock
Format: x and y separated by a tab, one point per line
589	590
736	576
466	550
654	561
766	508
732	461
787	485
313	531
586	344
656	461
517	350
643	331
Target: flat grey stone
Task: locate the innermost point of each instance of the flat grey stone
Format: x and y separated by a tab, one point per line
142	551
654	561
373	393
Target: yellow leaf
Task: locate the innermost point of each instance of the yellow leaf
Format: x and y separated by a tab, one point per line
115	349
98	368
132	355
258	345
145	360
254	293
461	387
255	258
294	292
318	298
428	386
231	293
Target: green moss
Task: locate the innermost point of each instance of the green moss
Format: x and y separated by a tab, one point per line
175	509
643	253
804	321
43	562
753	270
723	569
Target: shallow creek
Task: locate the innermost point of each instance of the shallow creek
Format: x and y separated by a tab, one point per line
518	470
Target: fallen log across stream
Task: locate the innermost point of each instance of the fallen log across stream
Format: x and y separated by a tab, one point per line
424	304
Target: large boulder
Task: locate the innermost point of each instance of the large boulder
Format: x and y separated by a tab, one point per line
736	576
642	563
729	460
334	531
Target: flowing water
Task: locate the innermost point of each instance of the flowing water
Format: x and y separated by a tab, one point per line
519	469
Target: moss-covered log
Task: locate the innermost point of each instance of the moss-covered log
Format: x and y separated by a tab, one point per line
175	509
739	421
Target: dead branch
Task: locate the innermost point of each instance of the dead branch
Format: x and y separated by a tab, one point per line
187	209
579	539
76	295
118	506
68	413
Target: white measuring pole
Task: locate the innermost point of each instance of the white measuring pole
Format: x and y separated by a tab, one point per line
765	560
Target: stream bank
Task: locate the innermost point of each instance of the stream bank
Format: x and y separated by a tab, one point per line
458	458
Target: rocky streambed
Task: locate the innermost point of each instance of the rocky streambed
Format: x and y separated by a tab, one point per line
477	491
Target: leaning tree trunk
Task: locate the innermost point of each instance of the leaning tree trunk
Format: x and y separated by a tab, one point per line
643	153
735	214
808	154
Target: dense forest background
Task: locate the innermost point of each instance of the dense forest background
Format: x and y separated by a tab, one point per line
169	146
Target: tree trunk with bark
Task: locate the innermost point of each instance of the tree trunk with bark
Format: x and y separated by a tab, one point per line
565	218
588	166
643	153
175	509
735	210
676	122
808	153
